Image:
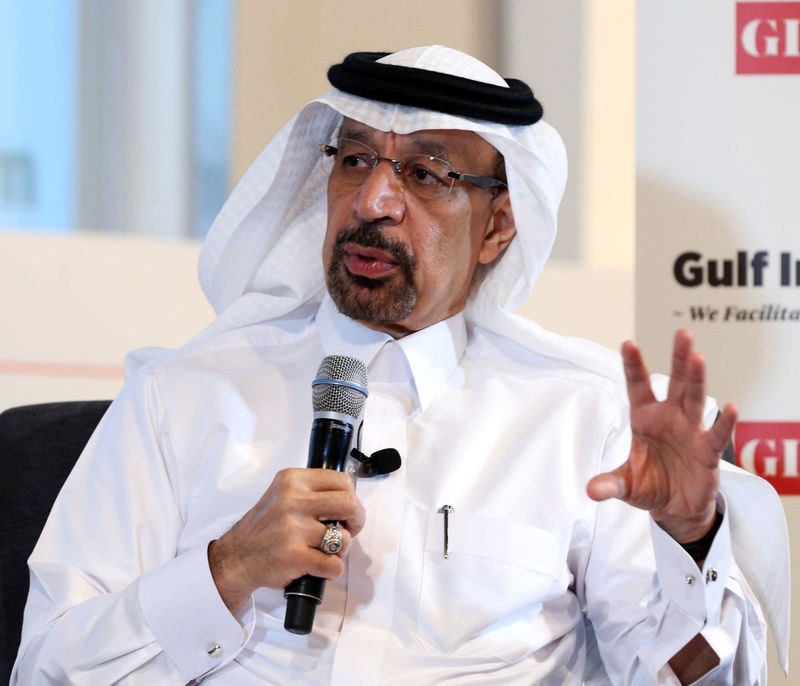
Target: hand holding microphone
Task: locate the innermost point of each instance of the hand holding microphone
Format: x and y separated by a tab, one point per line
338	396
277	540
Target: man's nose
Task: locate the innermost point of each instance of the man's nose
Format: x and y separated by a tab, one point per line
382	195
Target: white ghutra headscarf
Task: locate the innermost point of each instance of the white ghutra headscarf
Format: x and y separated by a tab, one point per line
262	256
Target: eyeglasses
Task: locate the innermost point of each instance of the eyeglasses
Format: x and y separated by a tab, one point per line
426	176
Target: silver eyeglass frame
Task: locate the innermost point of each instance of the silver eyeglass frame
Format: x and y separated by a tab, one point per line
474	179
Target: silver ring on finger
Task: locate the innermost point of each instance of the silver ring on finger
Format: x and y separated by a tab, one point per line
332	541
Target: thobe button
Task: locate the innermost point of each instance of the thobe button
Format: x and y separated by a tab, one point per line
214	649
689	579
711	575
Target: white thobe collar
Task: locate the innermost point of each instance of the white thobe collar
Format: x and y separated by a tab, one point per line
425	358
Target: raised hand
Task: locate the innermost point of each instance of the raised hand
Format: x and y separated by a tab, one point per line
673	468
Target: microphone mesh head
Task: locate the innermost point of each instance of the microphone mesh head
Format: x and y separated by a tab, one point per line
329	390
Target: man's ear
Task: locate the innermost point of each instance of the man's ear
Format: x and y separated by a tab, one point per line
500	228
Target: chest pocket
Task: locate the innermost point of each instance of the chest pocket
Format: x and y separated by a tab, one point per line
498	572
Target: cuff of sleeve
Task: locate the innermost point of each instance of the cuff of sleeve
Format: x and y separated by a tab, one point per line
698	592
183	609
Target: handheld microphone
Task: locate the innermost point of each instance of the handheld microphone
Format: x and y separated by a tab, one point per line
338	395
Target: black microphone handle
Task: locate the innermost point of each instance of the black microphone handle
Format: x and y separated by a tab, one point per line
329	446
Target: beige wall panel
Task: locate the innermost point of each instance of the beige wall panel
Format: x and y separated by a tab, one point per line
74	305
284	50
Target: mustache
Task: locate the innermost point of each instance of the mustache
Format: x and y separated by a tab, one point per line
369	235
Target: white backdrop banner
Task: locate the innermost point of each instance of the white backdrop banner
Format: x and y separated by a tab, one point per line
718	218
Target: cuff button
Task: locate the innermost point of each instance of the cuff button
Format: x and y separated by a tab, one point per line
214	650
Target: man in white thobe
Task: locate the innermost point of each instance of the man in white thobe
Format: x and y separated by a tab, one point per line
586	530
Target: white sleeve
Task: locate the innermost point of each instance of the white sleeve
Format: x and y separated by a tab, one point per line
647	598
112	598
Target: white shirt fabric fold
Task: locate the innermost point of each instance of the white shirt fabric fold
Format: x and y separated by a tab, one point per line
121	591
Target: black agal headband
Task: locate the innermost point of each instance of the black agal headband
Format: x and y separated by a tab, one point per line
361	74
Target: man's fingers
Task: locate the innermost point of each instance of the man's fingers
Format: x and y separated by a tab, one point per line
720	434
315	479
320	494
694	399
678	377
687	378
343	507
324	566
608	485
636	376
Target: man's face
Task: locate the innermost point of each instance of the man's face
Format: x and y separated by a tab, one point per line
399	263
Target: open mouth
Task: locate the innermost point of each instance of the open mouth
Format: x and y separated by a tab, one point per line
369	262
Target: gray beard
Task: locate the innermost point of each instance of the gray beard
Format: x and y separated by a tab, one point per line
373	300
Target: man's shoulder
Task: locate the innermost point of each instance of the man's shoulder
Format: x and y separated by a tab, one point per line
559	359
252	346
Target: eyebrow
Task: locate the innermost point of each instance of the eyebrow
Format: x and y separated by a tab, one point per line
364	135
426	144
430	146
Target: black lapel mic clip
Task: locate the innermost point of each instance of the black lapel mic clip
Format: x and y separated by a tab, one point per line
381	462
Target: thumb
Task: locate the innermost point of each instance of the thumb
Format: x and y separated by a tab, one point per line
608	485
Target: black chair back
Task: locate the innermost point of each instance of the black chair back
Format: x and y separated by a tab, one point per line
39	444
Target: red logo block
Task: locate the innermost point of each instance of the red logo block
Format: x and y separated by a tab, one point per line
768	38
770	449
